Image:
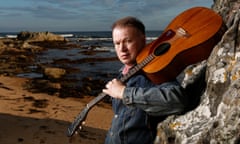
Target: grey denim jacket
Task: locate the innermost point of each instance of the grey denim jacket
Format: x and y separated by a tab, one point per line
136	116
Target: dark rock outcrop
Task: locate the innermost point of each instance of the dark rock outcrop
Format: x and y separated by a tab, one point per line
54	73
39	36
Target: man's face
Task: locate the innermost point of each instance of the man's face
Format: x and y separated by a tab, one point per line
128	42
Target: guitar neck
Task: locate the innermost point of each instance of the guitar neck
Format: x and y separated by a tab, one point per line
124	78
137	68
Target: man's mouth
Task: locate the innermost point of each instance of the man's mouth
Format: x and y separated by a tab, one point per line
124	56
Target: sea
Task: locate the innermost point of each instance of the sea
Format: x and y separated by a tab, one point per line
102	43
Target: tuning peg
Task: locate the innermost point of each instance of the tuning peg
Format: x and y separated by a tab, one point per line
76	132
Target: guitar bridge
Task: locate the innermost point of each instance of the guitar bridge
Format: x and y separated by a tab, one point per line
182	32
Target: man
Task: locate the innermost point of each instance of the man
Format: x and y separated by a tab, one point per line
138	104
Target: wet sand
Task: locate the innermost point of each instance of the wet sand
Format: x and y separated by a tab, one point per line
39	118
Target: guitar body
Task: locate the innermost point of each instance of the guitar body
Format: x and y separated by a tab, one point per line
188	39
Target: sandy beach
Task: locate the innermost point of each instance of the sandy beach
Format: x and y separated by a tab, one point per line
39	110
39	118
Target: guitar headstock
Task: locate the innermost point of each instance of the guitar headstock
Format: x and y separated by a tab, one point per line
78	122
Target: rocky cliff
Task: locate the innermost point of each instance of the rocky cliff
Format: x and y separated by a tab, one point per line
216	119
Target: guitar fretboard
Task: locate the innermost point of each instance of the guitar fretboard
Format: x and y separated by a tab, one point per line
125	77
136	68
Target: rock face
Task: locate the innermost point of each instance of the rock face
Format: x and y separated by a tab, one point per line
216	119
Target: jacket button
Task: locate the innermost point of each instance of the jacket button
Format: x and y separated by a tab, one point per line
127	99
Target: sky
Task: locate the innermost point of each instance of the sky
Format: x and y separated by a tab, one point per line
88	15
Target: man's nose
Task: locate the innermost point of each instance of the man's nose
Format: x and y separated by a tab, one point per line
122	47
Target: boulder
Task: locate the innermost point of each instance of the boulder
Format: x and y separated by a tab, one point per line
39	36
54	73
2	46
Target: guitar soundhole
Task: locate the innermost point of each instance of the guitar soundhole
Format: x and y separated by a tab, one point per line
161	49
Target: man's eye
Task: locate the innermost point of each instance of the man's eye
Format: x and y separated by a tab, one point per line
129	41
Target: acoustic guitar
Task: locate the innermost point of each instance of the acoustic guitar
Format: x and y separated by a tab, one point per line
188	39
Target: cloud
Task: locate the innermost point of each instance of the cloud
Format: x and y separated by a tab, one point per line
51	12
93	14
57	9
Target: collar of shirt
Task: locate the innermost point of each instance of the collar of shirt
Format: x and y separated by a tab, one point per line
125	69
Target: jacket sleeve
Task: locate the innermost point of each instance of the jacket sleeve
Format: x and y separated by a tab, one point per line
160	100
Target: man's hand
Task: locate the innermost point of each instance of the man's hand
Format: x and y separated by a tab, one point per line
114	89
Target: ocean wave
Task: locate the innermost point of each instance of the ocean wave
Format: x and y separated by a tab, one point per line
107	39
105	48
11	36
67	35
94	39
151	38
15	35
